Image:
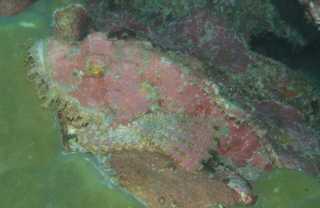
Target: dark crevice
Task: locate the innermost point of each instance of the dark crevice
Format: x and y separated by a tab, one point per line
295	16
304	57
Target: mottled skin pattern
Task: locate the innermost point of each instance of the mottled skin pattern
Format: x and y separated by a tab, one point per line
177	188
142	99
125	95
137	82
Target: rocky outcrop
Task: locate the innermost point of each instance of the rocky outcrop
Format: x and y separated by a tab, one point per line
312	8
249	18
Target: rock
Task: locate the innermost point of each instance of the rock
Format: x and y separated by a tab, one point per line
248	18
242	188
207	37
71	23
12	7
266	79
312	10
201	34
296	145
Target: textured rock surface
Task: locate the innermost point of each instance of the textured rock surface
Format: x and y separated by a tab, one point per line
12	7
312	10
284	19
207	37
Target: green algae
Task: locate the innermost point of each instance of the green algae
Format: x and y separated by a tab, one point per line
287	189
34	172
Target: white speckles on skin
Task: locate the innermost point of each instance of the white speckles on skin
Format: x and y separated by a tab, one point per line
71	130
40	54
164	60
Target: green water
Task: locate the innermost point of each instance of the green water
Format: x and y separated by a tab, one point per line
287	189
34	173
